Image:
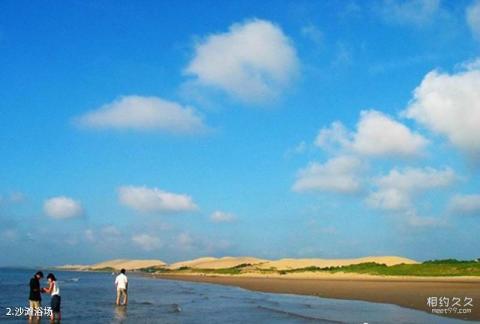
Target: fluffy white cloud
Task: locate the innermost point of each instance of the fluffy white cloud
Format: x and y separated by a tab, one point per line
340	175
336	134
389	199
473	18
222	217
153	200
253	61
376	135
62	207
465	204
409	12
144	113
147	242
395	191
449	104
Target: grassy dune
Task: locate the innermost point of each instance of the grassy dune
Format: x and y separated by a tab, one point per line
443	268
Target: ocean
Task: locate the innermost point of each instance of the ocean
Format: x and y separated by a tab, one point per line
88	297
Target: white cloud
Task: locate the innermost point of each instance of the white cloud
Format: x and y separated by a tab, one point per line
222	217
153	200
465	204
409	12
389	199
62	207
336	134
340	175
416	221
473	18
144	113
253	61
396	190
449	104
473	64
379	135
376	135
147	242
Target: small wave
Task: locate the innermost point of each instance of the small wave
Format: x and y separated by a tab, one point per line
146	303
176	308
279	311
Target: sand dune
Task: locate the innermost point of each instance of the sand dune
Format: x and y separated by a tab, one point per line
118	264
285	264
217	263
229	262
190	263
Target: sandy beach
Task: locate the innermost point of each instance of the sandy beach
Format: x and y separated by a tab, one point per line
406	292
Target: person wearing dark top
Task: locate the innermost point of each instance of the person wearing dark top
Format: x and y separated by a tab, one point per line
35	297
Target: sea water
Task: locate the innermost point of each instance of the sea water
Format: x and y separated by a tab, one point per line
89	297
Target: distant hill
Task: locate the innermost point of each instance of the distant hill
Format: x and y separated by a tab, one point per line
217	263
117	265
231	262
288	264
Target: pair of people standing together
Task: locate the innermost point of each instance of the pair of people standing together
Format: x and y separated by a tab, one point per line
35	297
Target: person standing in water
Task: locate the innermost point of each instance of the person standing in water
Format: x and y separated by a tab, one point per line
121	282
54	291
35	297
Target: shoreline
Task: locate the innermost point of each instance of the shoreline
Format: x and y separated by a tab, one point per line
405	292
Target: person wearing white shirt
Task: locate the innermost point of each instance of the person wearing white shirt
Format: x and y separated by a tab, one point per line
121	282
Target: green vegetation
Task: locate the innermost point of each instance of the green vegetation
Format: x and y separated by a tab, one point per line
431	268
152	269
228	271
450	261
105	269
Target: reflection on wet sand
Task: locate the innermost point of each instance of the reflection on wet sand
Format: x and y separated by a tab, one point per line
120	312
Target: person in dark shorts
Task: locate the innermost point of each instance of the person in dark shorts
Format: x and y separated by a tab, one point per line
54	291
35	298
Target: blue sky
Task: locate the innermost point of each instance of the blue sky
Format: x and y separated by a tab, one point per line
275	129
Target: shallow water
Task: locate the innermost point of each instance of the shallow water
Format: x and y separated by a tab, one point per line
89	298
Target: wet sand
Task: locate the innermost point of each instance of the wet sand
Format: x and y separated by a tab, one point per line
411	293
